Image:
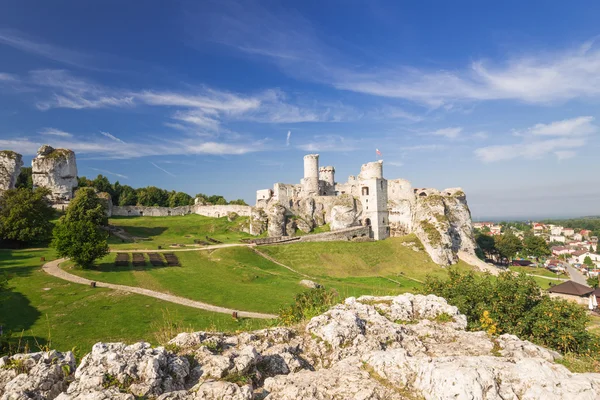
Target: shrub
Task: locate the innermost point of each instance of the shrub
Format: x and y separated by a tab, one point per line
514	304
308	304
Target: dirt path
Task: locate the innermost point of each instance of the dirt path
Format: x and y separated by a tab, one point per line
53	269
476	262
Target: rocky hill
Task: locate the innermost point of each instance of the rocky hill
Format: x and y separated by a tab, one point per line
404	347
10	168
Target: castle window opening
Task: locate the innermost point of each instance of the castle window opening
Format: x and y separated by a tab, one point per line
422	194
381	184
365	191
367	222
141	213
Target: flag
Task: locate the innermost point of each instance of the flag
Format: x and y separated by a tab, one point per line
378	152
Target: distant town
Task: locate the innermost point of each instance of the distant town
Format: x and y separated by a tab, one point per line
567	246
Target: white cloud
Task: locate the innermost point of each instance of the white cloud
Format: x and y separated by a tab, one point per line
481	135
569	127
450	133
108	135
288	137
558	138
55	132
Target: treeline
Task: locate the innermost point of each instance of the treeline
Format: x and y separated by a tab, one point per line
150	196
589	223
125	195
507	246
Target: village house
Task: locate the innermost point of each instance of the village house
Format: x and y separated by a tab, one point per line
557	238
568	232
558	250
556	230
578	257
572	291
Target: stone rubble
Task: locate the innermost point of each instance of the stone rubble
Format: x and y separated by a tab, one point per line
392	347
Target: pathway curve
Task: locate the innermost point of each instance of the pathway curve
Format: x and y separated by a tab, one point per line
53	269
576	276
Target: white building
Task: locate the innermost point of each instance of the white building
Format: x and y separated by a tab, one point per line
556	230
557	238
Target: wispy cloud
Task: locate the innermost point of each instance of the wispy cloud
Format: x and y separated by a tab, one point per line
55	132
292	43
450	133
288	138
110	136
104	171
27	44
163	170
558	138
394	163
6	77
327	143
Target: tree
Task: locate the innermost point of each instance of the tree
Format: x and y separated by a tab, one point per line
513	304
25	179
152	196
78	234
508	245
102	184
588	261
127	197
25	215
593	281
221	201
536	246
82	181
486	243
238	202
178	199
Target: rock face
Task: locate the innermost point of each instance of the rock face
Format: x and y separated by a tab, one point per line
55	169
343	217
10	168
442	221
394	347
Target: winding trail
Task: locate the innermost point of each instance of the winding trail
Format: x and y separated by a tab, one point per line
52	268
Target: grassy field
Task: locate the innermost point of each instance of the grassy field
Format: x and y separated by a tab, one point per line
538	271
165	231
46	310
233	277
390	258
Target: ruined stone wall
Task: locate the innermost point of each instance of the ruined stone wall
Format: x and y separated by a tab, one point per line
207	211
401	202
55	169
341	235
10	168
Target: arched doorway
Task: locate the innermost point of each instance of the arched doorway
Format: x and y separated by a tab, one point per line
367	222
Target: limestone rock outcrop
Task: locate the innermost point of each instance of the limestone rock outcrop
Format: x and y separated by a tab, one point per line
55	169
343	217
442	221
277	220
10	168
392	347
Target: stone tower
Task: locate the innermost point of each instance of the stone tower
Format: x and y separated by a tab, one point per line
327	181
10	168
374	198
310	182
55	169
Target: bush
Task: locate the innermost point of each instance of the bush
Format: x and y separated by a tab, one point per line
308	304
514	304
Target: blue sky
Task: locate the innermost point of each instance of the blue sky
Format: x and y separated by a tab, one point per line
226	97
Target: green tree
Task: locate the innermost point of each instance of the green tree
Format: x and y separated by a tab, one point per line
593	281
221	201
25	179
238	202
79	234
514	304
508	245
178	199
536	246
127	197
588	261
102	184
486	243
25	215
82	181
152	196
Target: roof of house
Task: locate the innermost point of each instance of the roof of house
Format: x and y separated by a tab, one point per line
572	288
580	252
597	292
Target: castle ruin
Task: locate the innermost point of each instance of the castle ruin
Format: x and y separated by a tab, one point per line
440	219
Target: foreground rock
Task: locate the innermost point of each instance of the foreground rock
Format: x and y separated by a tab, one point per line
402	347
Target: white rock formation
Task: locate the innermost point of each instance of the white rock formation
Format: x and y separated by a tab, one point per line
10	168
394	347
55	169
